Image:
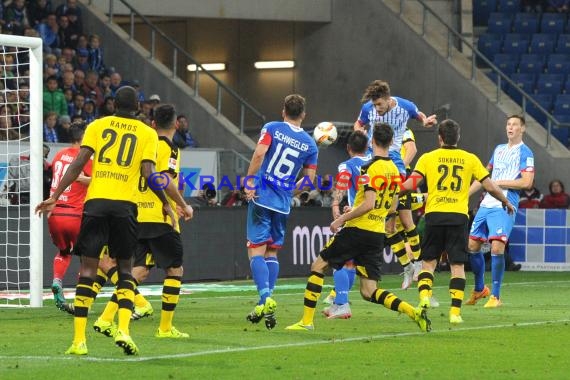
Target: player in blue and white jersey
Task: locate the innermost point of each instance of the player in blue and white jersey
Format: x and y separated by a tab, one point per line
346	184
512	169
283	149
380	107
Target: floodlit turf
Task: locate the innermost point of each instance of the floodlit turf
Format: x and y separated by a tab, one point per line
527	338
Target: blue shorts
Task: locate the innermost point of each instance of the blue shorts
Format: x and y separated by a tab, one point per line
492	224
396	158
265	226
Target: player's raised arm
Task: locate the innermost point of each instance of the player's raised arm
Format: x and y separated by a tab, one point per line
70	176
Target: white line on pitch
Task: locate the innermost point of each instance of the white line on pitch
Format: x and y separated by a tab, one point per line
276	346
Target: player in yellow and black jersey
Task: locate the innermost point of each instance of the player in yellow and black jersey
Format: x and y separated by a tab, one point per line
362	237
159	242
122	148
449	172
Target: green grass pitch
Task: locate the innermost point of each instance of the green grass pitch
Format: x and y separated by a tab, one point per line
527	338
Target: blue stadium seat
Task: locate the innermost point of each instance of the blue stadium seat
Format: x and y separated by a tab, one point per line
549	84
524	82
482	9
563	44
526	23
553	23
562	105
542	43
531	63
558	64
490	44
545	101
493	76
515	43
509	6
507	63
500	23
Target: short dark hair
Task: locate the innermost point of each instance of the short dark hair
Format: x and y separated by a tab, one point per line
164	116
358	142
449	130
76	132
181	116
294	106
51	77
520	117
383	135
376	90
126	99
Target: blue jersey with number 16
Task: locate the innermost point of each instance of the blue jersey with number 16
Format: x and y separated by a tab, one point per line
290	149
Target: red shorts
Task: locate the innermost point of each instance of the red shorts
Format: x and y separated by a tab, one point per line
64	230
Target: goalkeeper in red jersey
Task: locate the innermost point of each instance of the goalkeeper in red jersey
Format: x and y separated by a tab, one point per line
65	219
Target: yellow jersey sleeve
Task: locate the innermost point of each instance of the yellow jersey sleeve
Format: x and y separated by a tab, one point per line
480	172
149	205
120	145
384	179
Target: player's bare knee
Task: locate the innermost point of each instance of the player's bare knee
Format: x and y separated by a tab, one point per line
177	272
140	274
474	246
319	265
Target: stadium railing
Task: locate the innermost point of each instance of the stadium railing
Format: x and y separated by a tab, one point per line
177	51
454	38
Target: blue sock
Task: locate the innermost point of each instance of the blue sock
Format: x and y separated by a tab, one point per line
351	276
497	273
341	286
273	267
477	261
260	275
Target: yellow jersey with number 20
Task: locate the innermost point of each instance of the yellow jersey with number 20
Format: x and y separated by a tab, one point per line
120	145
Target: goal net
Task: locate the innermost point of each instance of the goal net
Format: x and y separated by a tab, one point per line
21	171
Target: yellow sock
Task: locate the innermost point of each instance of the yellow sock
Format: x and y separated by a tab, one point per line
397	245
84	296
312	294
139	301
456	292
110	309
390	301
100	281
170	296
125	297
414	240
425	283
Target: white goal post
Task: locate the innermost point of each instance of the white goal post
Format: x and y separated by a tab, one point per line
21	152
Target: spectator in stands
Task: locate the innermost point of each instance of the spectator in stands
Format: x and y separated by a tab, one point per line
146	109
7	125
67	81
558	6
76	26
77	107
54	101
82	42
322	195
91	88
37	11
66	6
530	198
116	82
49	33
234	198
137	86
51	68
96	54
82	60
69	54
50	127
62	128
77	119
79	79
16	17
105	85
48	171
89	110
206	197
24	91
182	138
154	100
68	94
108	107
67	35
557	197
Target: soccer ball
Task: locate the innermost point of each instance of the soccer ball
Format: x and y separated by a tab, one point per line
325	133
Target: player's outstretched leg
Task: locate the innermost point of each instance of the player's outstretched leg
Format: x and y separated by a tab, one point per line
312	293
391	301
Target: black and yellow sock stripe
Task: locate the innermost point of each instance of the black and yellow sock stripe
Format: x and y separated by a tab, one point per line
425	283
456	292
312	294
414	241
397	245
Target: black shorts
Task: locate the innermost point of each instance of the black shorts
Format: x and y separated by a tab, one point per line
164	251
451	239
111	223
365	247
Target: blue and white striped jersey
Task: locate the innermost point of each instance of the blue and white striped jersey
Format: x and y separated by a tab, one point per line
352	168
397	118
507	163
